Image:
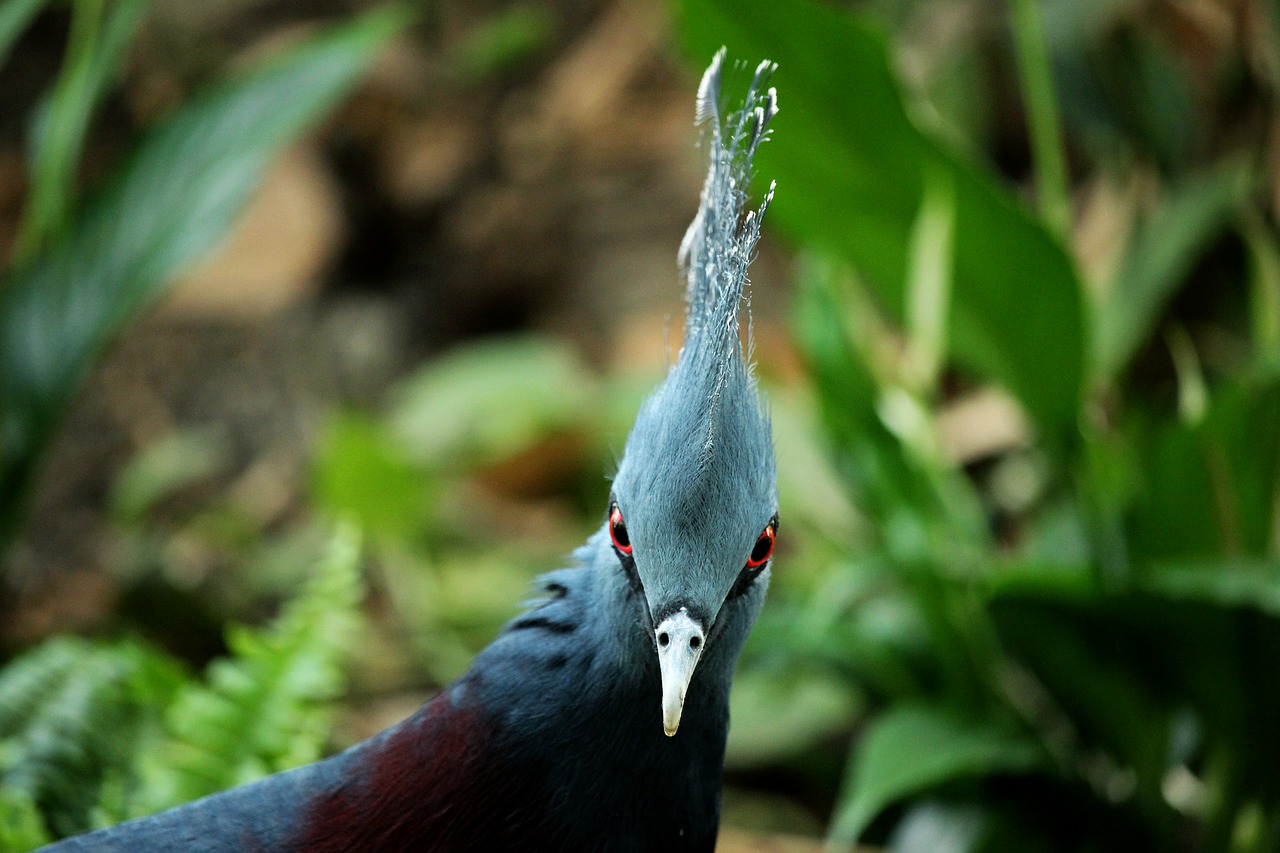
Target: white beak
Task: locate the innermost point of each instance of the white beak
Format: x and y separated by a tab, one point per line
680	642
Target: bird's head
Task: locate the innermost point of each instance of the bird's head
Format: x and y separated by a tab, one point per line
694	510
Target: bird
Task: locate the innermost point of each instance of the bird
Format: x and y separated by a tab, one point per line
597	719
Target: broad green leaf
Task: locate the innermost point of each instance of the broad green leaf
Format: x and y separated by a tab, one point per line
1158	258
851	167
177	196
911	749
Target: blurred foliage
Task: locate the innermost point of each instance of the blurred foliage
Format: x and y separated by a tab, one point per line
95	733
1084	638
1060	635
430	480
82	272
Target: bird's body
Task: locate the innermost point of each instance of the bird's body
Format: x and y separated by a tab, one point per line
597	719
484	765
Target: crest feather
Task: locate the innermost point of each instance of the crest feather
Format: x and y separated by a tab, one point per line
721	241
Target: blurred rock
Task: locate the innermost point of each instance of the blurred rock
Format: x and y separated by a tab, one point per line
424	162
981	425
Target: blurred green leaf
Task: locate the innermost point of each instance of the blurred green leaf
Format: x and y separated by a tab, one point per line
777	715
928	294
1158	258
488	401
912	748
1127	667
919	506
1039	103
505	41
174	200
1227	584
452	608
94	51
1124	86
867	457
14	17
1096	689
850	167
359	472
1264	289
1210	488
21	827
165	466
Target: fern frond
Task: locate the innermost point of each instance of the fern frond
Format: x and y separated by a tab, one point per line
70	714
264	709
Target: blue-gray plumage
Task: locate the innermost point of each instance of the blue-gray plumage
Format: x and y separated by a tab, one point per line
597	720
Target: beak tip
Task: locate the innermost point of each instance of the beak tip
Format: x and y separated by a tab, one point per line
671	720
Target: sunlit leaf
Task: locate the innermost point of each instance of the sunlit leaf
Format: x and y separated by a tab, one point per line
1264	289
1229	584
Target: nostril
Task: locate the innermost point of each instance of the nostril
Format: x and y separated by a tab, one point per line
663	639
695	641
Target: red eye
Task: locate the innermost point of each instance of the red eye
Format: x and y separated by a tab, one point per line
763	550
618	531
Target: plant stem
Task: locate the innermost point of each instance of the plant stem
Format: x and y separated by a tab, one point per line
1042	116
